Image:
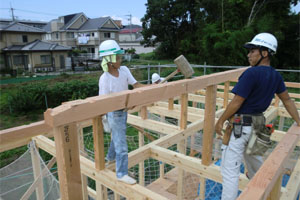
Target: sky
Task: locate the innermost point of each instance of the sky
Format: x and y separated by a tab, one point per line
46	10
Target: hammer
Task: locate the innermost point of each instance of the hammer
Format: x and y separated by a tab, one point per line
183	66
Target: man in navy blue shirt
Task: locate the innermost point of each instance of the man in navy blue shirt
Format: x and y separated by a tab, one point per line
253	95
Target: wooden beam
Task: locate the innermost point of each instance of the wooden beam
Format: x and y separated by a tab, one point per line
226	93
201	99
105	177
283	112
276	190
88	108
191	164
173	113
98	143
66	142
293	186
209	124
171	104
143	115
152	124
264	180
25	132
99	154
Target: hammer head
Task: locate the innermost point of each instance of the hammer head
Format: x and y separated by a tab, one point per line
184	66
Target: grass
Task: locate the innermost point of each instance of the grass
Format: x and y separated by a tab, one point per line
24	79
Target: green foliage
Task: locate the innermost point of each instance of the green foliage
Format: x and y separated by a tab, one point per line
214	31
39	96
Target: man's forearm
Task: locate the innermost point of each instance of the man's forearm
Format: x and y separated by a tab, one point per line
292	110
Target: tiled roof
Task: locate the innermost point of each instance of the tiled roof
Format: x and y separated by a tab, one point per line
70	19
18	27
95	23
37	45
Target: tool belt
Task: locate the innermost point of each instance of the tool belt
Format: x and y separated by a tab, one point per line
235	124
259	141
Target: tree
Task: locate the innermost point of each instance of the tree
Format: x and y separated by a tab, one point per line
214	31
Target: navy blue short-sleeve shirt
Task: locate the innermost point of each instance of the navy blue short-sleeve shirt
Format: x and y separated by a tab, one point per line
258	86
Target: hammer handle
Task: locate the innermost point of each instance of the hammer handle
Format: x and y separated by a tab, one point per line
170	76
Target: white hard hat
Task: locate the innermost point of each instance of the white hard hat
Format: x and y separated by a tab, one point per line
109	47
266	40
155	77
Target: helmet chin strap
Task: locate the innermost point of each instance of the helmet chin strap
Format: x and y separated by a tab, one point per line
261	58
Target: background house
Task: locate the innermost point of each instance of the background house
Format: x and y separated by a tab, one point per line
130	37
79	31
36	56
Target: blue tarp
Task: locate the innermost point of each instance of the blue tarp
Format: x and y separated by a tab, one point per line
213	190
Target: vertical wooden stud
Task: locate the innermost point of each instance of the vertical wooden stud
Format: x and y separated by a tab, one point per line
66	144
209	123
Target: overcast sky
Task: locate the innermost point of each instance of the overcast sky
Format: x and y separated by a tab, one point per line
45	10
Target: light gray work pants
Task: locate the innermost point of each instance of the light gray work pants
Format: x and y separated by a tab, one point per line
232	158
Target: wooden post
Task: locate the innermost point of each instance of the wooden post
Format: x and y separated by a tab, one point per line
202	188
37	172
171	104
98	143
161	164
281	123
66	144
226	93
84	179
276	191
144	115
99	154
209	123
181	145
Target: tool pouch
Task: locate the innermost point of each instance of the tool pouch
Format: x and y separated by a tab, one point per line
259	141
105	123
237	127
228	131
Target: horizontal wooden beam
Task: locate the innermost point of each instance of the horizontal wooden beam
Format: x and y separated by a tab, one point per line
89	108
105	177
264	180
201	99
153	125
283	112
23	132
192	110
173	113
191	164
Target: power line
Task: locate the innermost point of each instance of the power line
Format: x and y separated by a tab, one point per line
31	11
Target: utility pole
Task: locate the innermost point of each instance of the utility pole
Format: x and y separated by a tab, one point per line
130	25
12	13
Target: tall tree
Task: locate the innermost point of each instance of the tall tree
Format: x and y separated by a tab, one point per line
214	31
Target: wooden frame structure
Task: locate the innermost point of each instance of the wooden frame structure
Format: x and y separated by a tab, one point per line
65	123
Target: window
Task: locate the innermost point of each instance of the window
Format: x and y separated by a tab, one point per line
24	38
46	59
106	35
18	60
56	35
93	34
81	19
112	35
70	35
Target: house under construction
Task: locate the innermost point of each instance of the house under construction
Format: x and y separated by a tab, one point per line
184	162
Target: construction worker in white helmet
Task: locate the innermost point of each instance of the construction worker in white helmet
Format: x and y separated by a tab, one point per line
253	95
116	78
156	79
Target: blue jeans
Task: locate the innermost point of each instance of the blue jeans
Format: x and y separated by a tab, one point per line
118	149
